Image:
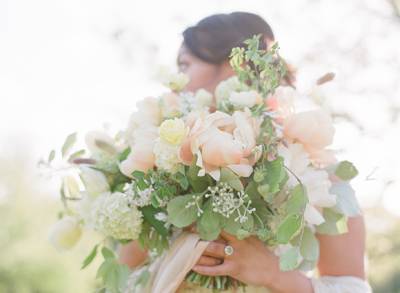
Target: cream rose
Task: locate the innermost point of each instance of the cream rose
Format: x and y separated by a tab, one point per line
172	131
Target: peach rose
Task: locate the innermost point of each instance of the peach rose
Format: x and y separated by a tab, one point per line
313	129
221	140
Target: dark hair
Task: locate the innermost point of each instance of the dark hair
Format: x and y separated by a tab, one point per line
213	37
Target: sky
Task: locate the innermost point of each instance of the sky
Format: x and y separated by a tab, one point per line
78	65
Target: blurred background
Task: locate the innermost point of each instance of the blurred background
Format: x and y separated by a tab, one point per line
81	65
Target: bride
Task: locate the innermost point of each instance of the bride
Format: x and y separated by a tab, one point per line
203	56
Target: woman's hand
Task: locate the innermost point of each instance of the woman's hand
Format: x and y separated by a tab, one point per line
252	263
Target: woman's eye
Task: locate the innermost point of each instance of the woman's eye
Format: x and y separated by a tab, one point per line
182	66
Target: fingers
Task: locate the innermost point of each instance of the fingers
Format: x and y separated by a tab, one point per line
228	237
215	249
225	269
209	261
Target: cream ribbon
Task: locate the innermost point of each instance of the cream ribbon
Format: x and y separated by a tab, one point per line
180	259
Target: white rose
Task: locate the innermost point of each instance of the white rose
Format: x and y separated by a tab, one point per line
245	99
224	88
65	233
94	181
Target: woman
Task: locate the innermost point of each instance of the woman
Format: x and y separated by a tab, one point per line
204	57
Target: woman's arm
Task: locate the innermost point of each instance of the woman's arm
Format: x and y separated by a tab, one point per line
132	254
343	255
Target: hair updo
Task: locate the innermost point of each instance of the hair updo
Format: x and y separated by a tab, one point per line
213	38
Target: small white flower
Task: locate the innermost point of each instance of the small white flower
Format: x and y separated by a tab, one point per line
65	233
161	216
95	182
167	155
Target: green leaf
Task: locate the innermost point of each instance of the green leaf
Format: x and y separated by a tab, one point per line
334	224
68	144
88	260
75	155
113	275
179	214
149	213
51	156
231	226
138	174
290	259
198	183
288	228
309	247
105	146
346	171
228	176
346	201
125	153
297	201
209	225
275	174
107	253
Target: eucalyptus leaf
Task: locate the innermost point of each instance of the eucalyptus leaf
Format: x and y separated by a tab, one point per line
346	170
209	225
309	247
297	201
107	253
334	224
290	259
179	214
229	177
288	228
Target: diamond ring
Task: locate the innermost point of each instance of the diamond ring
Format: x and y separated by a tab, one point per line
228	250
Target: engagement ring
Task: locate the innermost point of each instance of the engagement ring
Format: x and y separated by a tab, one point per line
228	250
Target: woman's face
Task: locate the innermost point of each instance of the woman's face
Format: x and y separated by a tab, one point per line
202	74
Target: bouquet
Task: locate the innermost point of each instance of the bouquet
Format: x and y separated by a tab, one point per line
244	161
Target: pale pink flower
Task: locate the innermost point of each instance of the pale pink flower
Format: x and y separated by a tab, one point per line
141	157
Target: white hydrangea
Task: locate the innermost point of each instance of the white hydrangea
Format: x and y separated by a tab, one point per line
114	216
167	155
